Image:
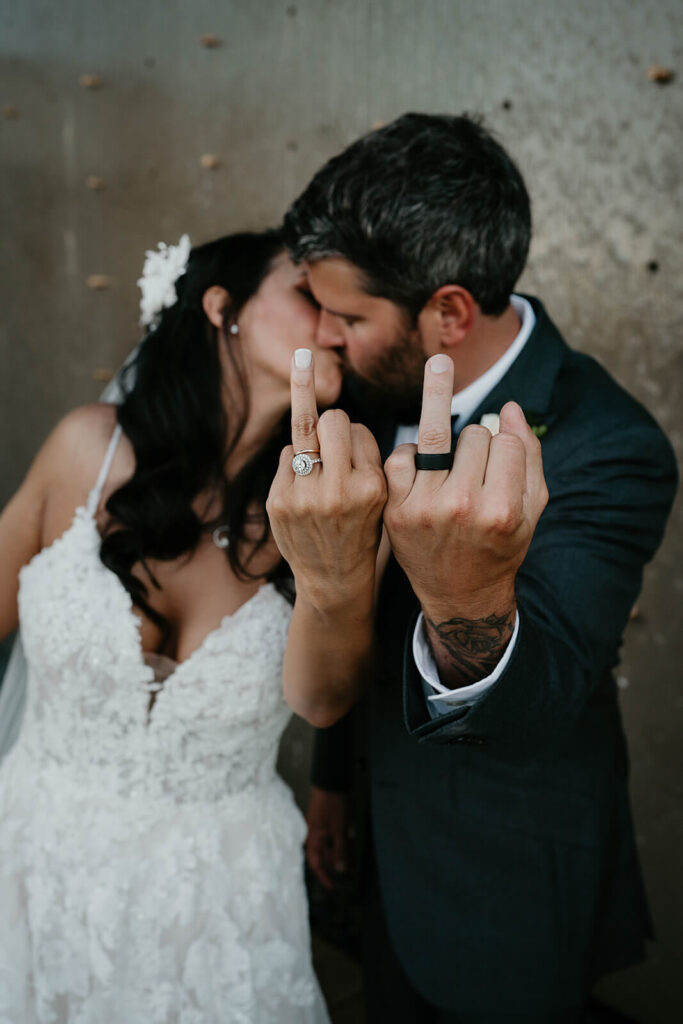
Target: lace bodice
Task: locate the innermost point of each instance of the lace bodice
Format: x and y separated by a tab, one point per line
216	720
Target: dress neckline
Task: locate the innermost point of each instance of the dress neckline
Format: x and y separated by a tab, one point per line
87	514
84	515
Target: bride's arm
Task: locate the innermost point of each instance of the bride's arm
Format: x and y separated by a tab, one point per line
20	536
328	660
67	452
327	525
335	648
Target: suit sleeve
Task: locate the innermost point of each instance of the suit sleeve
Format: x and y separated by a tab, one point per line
332	767
575	589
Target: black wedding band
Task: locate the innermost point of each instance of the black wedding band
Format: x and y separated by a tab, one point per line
444	460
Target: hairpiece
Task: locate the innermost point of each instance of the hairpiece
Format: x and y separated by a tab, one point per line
160	272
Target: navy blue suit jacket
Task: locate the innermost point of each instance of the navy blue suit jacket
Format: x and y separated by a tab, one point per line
502	833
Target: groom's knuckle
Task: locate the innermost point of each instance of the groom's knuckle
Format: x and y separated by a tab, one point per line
394	522
460	506
535	444
501	519
400	459
423	515
510	444
433	436
392	463
475	433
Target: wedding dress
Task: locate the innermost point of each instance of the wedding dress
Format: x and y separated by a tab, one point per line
13	683
150	857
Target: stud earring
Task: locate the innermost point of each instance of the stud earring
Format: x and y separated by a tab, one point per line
234	329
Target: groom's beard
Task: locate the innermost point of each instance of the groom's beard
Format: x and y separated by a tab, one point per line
393	380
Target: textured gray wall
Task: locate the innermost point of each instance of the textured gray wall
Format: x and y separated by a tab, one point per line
565	84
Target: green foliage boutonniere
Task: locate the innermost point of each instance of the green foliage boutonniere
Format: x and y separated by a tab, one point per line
535	421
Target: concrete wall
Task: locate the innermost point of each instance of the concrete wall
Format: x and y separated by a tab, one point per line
564	82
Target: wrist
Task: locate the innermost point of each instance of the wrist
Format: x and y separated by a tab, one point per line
338	610
498	600
337	600
467	647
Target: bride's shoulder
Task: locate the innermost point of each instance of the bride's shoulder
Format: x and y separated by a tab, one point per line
62	473
85	432
78	444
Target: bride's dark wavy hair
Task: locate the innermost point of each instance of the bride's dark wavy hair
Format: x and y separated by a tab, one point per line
174	416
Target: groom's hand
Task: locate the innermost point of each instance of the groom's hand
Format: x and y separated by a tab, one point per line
460	535
327	525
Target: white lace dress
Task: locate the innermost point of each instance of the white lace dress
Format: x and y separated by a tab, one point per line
150	861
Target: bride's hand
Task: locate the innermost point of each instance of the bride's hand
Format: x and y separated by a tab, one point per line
327	523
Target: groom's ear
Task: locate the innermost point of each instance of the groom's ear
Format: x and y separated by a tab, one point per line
449	315
214	301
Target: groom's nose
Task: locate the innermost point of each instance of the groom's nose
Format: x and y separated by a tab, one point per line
329	333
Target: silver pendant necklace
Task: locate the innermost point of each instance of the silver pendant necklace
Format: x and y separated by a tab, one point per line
220	537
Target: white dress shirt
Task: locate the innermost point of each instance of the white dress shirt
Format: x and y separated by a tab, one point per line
441	699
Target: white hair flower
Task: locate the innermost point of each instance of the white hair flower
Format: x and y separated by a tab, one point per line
160	272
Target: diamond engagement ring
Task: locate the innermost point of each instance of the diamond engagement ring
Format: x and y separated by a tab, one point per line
302	463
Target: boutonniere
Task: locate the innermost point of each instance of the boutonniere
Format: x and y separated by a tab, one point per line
492	421
535	421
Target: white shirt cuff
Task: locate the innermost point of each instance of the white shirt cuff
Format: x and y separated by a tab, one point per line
444	699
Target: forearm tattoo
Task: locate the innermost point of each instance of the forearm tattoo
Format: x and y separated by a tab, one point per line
469	649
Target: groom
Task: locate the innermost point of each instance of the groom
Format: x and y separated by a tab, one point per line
503	876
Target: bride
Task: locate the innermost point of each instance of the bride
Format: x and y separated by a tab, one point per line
150	857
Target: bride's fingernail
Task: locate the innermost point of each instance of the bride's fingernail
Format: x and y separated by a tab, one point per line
302	358
439	363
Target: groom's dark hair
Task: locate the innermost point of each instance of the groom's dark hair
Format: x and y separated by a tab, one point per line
426	201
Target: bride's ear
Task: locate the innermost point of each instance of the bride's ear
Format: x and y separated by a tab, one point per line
214	301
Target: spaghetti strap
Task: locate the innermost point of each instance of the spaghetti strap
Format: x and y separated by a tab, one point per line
96	492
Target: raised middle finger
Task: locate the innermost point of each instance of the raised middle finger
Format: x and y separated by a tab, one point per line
304	406
434	433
